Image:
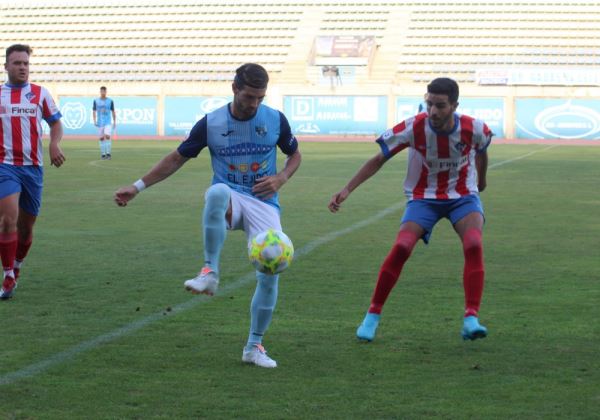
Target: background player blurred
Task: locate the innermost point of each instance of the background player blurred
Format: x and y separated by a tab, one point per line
242	138
23	105
104	109
447	168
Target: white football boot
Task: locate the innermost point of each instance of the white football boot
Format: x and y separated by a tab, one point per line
205	283
258	356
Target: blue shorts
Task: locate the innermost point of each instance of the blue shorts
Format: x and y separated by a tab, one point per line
426	212
27	180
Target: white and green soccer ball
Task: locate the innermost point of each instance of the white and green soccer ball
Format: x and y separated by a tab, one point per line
271	251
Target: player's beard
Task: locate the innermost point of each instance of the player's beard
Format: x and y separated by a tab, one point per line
19	77
441	124
245	112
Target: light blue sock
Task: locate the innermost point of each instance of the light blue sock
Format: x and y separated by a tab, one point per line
261	309
215	228
102	150
108	144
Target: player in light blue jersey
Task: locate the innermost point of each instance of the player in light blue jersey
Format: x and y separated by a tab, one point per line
104	108
242	138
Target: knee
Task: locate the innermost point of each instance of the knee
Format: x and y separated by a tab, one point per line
8	222
472	241
402	250
405	242
217	198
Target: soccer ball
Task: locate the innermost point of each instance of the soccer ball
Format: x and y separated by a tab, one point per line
271	251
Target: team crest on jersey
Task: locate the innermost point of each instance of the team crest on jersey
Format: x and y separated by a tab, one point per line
255	166
243	167
261	131
30	96
387	134
460	146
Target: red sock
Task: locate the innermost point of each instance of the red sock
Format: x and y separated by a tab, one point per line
23	248
8	249
391	268
474	271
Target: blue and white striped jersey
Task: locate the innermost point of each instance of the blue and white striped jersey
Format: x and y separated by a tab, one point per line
241	151
103	108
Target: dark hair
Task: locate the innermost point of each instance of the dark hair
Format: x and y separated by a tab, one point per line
444	86
253	75
102	87
18	48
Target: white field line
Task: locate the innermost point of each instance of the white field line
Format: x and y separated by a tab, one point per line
61	357
504	162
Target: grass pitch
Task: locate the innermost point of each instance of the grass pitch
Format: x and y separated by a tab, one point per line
100	326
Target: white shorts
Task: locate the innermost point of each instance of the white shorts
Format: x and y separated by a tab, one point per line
252	215
105	130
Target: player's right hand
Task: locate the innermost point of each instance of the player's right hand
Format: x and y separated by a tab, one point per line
125	194
337	200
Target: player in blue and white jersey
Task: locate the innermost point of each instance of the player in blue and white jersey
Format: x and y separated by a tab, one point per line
242	138
104	109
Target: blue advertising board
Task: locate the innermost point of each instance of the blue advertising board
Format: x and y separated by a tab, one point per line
136	115
336	114
557	118
182	112
490	110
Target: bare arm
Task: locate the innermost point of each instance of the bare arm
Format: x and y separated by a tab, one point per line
162	170
369	169
267	186
57	158
114	118
481	163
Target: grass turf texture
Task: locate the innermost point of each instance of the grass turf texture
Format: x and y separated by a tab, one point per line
95	268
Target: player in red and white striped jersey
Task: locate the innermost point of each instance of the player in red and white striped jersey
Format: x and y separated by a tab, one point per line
23	105
447	166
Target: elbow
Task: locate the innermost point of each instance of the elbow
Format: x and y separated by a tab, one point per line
295	157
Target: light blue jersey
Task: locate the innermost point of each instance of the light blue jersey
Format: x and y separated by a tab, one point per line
103	109
242	151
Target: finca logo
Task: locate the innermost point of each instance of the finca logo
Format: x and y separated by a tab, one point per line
73	115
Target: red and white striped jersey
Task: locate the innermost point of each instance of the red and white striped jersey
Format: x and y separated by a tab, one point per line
440	165
21	111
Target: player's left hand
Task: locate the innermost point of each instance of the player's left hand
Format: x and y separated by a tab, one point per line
337	200
267	186
57	158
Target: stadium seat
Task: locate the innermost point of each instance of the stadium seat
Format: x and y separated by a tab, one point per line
208	39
